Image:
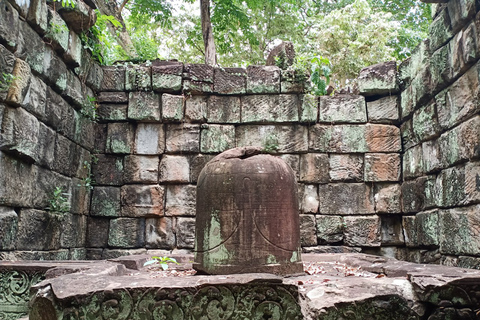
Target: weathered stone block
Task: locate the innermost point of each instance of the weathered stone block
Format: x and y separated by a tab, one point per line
108	170
427	228
308	235
392	230
346	167
73	56
387	198
46	146
270	108
425	123
343	109
149	139
79	18
112	112
338	138
458	231
105	202
8	225
7	63
197	164
19	84
38	230
74	230
308	111
17	181
382	167
65	156
185	233
293	160
292	81
283	139
45	184
363	231
431	156
94	75
167	76
199	72
120	138
174	169
112	97
113	78
80	199
441	65
417	194
217	138
408	137
472	182
19	133
55	70
9	26
180	200
309	200
450	187
144	106
413	162
440	31
172	108
160	233
76	92
447	144
197	87
409	231
329	229
469	44
314	168
383	110
263	79
57	32
142	169
84	128
183	138
97	232
142	200
138	78
31	48
460	12
346	199
230	80
382	138
379	79
223	109
196	109
126	233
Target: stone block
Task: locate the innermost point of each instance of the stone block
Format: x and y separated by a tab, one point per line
314	168
382	138
223	109
17	182
9	29
408	137
379	79
80	199
329	229
97	232
382	167
7	62
308	111
346	167
31	48
293	160
447	144
406	102
105	202
458	231
440	31
431	156
167	76
45	184
57	32
196	109
79	18
138	78
84	128
387	198
197	163
19	84
346	199
182	138
113	79
180	200
174	169
460	12
197	87
144	106
441	65
185	233
73	56
383	110
120	138
308	235
343	109
64	156
217	138
409	231
55	70
94	75
392	230
469	41
126	233
112	112
472	182
427	228
150	139
363	231
270	108
292	81
100	132
417	194
160	233
112	97
8	225
230	80
413	162
108	170
172	108
20	131
55	108
142	169
309	200
199	72
281	139
142	200
338	138
74	231
38	230
450	187
263	79
77	92
459	101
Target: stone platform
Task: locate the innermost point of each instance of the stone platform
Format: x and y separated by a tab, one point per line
335	286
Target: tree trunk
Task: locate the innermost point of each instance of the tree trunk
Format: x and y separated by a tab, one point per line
210	52
119	33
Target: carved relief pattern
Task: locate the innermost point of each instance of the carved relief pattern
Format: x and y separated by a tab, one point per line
220	302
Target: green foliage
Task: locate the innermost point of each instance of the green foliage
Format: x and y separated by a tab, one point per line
67	3
162	261
58	202
270	144
6	80
320	75
88	181
89	108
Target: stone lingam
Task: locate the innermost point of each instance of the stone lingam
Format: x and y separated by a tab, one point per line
247	215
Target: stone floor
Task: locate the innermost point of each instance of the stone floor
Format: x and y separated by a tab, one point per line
335	286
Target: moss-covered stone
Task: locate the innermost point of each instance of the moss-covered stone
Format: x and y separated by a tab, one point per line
217	138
